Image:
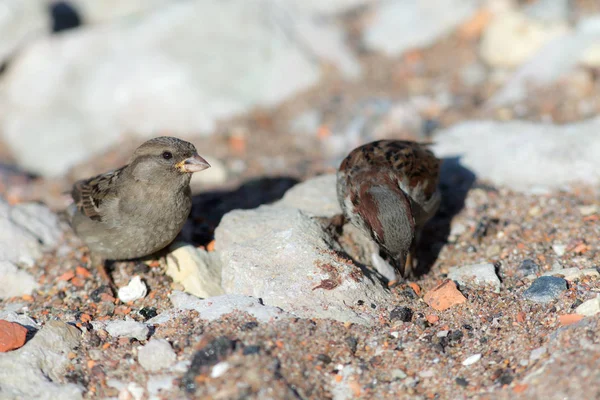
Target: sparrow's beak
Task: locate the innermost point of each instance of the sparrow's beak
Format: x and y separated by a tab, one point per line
192	164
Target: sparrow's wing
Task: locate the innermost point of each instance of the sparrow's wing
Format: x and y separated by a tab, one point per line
412	164
89	194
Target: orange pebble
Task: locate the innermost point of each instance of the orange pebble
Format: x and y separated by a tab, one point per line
77	282
211	246
432	319
67	276
415	287
27	297
85	317
82	272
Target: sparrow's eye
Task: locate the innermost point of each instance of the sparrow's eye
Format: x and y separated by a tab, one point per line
167	155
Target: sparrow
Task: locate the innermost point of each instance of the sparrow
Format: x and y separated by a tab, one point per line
388	190
140	208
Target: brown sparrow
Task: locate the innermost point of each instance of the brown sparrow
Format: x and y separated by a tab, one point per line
388	189
140	208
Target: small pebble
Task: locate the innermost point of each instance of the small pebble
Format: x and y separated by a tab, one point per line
136	289
559	249
400	313
545	289
477	275
589	307
536	354
157	354
428	373
12	336
219	369
528	267
251	350
471	360
462	382
128	329
444	296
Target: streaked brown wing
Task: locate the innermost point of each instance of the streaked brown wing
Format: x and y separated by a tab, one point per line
89	194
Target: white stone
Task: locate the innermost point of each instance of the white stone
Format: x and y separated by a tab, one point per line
471	359
15	281
197	270
135	390
573	273
214	307
158	383
589	307
177	68
157	354
21	21
283	256
536	354
542	156
315	197
559	249
135	289
131	329
219	369
400	25
478	275
511	38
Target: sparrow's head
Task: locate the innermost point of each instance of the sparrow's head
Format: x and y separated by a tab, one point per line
166	156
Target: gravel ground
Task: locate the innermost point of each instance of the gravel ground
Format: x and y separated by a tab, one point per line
495	345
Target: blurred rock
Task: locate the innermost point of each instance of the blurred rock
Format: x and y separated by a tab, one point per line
197	270
285	257
135	289
556	58
174	69
20	22
37	370
214	307
130	329
315	197
549	11
401	25
478	275
14	281
157	354
525	156
25	231
512	38
93	11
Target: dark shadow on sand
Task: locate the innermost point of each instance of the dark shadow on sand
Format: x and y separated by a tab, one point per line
455	183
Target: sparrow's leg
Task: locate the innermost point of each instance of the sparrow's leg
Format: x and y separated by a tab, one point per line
411	259
100	264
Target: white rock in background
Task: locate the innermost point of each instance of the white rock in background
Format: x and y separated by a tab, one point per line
573	273
284	257
177	68
197	270
555	59
25	231
315	197
157	354
214	307
37	370
328	7
132	329
525	156
511	38
477	275
135	289
20	319
589	307
401	25
14	281
20	22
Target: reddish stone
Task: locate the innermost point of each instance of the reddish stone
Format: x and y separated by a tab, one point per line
12	336
444	296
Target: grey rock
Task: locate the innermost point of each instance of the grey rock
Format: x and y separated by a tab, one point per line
197	270
214	307
400	25
589	307
14	281
477	275
20	22
68	97
20	319
26	230
573	273
543	156
314	197
39	221
283	256
36	370
157	354
132	329
545	289
528	267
